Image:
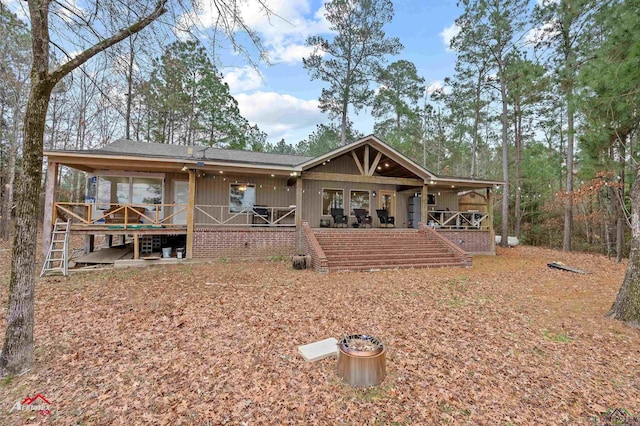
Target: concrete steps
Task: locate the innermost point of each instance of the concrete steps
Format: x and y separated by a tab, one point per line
373	249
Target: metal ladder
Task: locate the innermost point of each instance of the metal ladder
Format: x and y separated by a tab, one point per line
58	254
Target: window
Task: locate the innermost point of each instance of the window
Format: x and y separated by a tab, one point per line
241	197
127	190
146	191
112	190
358	200
332	199
431	199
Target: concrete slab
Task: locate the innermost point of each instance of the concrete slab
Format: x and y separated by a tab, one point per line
319	350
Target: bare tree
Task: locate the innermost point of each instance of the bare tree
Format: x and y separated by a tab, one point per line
17	352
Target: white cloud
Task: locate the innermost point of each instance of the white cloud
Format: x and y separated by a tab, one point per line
434	85
290	54
540	34
243	79
280	116
448	34
283	29
438	85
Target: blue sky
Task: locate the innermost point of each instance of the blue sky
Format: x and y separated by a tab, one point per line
282	101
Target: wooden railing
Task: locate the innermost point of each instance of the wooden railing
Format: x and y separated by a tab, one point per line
458	220
119	214
210	215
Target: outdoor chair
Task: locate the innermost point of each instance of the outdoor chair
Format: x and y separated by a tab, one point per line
385	219
363	217
339	218
116	214
260	215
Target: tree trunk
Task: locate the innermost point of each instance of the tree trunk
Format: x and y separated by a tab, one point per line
504	229
627	304
476	123
343	124
17	352
518	143
7	202
127	132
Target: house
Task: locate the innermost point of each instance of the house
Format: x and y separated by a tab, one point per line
226	203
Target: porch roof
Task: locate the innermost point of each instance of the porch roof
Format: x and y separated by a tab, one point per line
149	157
146	156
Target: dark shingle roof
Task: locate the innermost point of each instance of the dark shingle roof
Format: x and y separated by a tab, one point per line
203	153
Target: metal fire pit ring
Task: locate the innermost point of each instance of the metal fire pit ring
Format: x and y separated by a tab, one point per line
347	345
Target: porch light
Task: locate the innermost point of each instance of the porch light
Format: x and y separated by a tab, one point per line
431	182
386	164
374	193
294	174
221	172
379	167
453	186
184	168
272	175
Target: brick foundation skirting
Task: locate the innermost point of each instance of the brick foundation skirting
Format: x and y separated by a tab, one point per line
243	243
471	241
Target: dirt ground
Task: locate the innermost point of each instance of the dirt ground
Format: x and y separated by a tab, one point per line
508	341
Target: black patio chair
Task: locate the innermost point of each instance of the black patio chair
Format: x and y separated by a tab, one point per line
362	215
385	219
339	218
260	215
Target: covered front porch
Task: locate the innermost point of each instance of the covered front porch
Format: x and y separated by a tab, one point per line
225	204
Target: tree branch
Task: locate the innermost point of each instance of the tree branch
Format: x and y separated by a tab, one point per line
83	57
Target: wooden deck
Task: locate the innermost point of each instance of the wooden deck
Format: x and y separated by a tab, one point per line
128	229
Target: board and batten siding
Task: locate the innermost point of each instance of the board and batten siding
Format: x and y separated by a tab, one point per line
343	164
446	200
312	199
213	190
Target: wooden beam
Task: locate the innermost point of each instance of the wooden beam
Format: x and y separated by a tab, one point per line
49	200
341	177
372	169
357	160
136	246
366	160
424	204
191	207
299	216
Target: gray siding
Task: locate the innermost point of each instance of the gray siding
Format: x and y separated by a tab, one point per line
213	190
343	164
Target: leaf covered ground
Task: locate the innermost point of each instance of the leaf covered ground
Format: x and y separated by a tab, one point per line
508	341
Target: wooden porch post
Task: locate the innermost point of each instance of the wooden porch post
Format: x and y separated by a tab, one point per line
49	200
191	213
490	218
424	203
299	215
